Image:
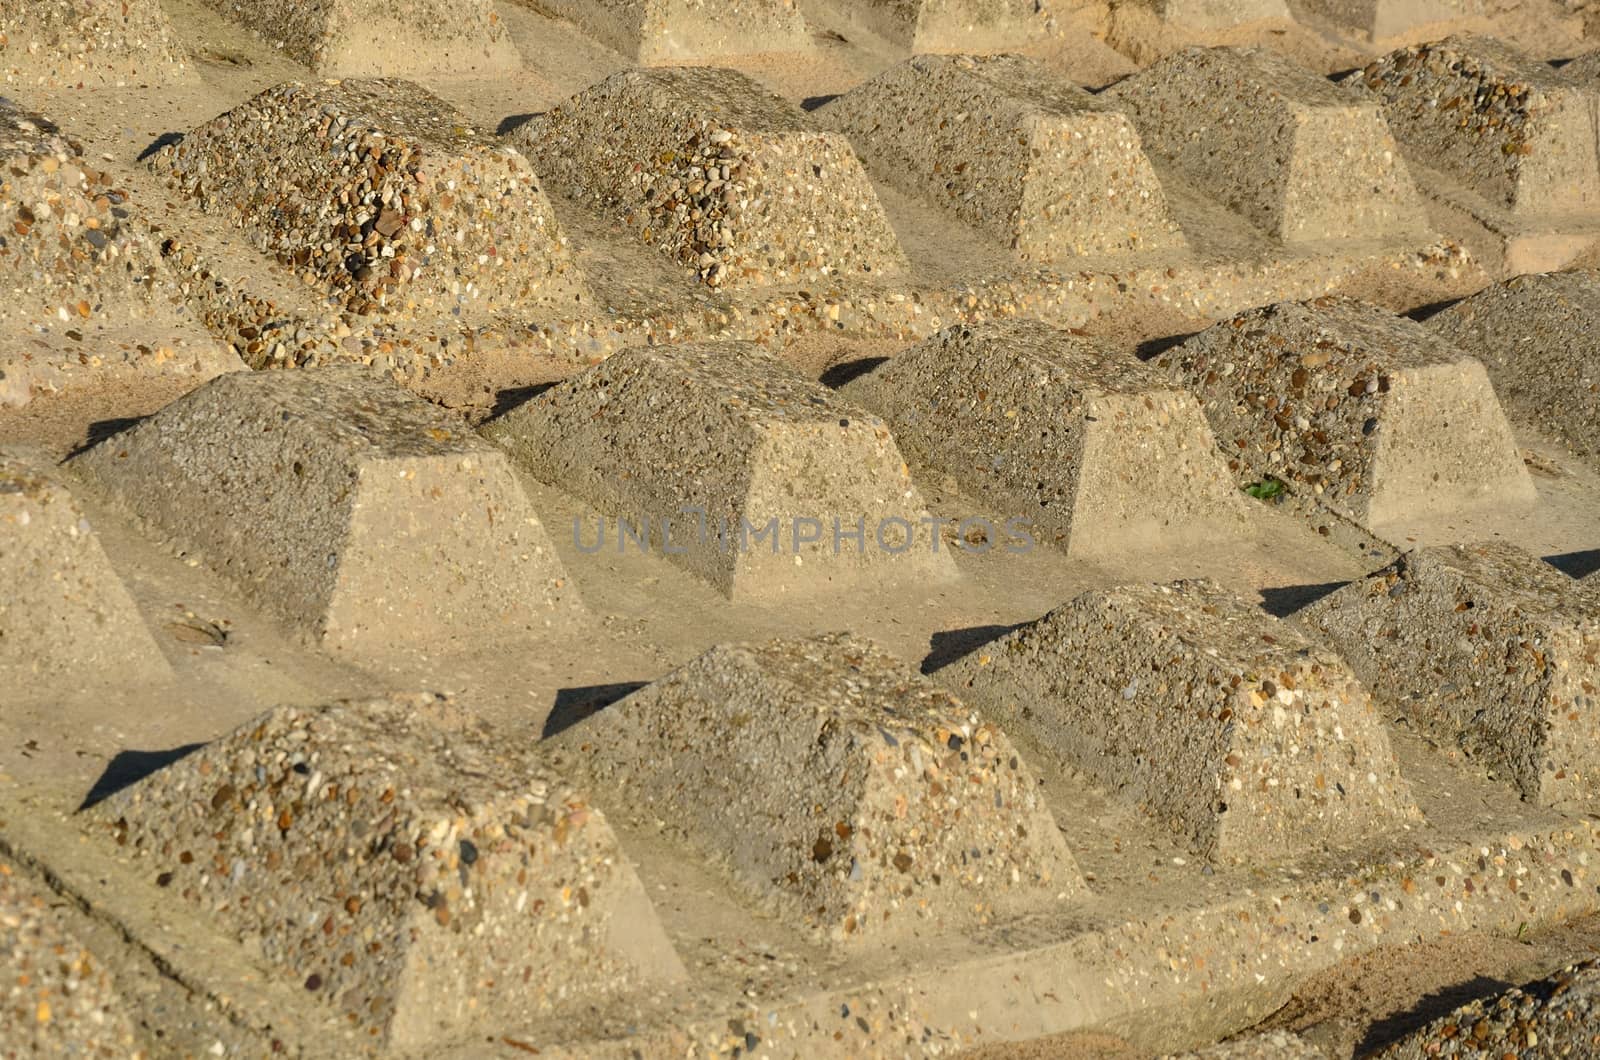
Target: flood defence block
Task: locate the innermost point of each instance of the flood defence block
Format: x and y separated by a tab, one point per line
731	181
1248	740
56	998
1534	336
734	466
652	31
1096	451
1301	158
1012	149
375	38
1372	414
1558	1015
65	612
409	871
1378	20
837	785
950	25
1487	647
1506	125
94	43
360	515
381	194
88	302
1217	14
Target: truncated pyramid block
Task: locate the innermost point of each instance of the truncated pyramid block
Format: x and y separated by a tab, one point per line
1509	127
383	195
64	43
1384	19
678	30
1218	14
362	516
1485	646
1558	1015
1535	336
836	784
413	873
945	25
56	998
64	613
1096	451
87	300
1012	149
1371	413
737	468
1302	159
1247	739
726	178
373	38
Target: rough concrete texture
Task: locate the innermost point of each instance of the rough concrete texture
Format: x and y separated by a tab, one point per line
667	31
1507	125
64	612
950	25
1216	15
64	43
1535	337
1096	451
87	299
1373	414
799	491
383	195
360	515
1269	1045
1302	159
406	869
1558	1016
377	38
728	179
1248	740
837	785
1377	20
1486	647
56	999
1013	149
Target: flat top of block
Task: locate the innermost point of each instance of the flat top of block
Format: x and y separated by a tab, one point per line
1248	69
1511	576
390	106
1070	361
708	93
1335	327
26	133
1015	76
1520	74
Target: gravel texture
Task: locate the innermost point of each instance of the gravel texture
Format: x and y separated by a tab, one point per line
1248	740
1302	159
1012	149
837	785
358	514
93	43
1487	648
1093	449
1373	415
1558	1016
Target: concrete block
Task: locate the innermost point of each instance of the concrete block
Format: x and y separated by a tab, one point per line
95	43
675	31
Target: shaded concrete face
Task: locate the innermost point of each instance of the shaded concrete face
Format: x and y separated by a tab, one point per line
748	475
1373	415
678	31
1487	646
1013	149
313	490
950	25
1093	449
1217	719
452	882
861	801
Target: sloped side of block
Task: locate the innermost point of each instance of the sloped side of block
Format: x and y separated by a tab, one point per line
384	196
457	882
1011	149
1098	453
836	784
1248	740
378	38
1487	647
766	483
1304	160
1534	336
664	31
1558	1015
1370	413
1507	125
65	43
950	25
726	178
88	302
56	998
360	515
64	611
